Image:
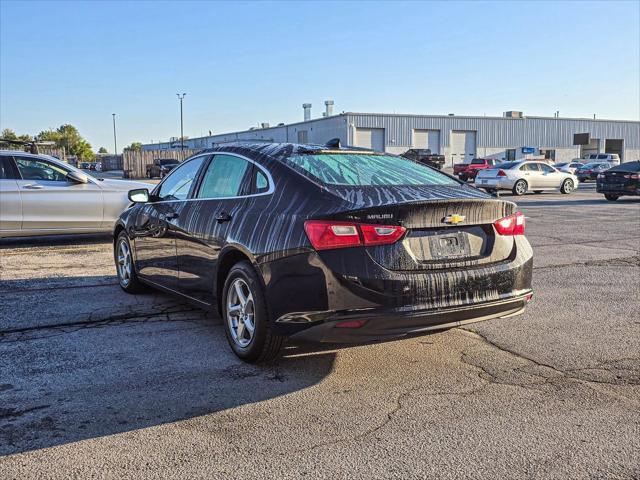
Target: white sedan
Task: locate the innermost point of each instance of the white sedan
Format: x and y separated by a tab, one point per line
521	177
40	195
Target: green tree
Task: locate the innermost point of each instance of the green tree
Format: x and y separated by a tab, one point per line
135	146
8	134
68	137
102	150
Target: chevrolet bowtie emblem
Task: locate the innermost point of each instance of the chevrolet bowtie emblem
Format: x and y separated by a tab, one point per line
453	219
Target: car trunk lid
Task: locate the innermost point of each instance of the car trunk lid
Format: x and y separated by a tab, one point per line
442	231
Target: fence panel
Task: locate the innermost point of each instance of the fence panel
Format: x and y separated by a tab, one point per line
135	162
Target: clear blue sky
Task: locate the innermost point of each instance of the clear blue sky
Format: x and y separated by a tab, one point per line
245	63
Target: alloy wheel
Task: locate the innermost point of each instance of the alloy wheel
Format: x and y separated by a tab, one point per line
568	186
521	188
124	263
240	313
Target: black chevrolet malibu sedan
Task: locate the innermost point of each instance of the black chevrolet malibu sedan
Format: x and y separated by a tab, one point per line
325	243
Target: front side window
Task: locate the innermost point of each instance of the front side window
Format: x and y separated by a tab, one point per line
177	185
224	177
38	169
366	170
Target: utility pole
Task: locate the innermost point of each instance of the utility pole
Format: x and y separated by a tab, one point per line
115	142
181	126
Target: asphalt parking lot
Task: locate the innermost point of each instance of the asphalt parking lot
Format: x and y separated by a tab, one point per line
95	383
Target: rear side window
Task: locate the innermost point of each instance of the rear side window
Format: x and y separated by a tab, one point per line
366	170
224	177
477	161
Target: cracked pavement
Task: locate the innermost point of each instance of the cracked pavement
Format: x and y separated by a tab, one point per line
95	383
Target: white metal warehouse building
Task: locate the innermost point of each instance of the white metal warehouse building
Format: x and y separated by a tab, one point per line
459	138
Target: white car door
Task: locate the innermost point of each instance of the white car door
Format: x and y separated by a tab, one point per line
551	178
10	203
50	201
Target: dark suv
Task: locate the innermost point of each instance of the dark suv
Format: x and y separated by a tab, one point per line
161	166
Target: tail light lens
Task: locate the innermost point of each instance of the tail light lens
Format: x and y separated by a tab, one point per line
325	235
635	176
510	225
501	173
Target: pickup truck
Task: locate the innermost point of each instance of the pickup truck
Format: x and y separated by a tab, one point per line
468	171
161	166
424	155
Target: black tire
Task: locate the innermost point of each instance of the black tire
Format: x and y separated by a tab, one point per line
264	345
520	188
130	283
537	192
463	178
567	186
611	198
582	180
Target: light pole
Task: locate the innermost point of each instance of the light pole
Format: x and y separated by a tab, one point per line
181	125
115	143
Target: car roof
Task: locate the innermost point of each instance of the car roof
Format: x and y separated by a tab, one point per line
278	151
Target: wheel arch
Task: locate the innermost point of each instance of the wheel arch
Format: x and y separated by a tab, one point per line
229	256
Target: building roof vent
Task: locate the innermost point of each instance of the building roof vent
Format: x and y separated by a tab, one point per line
307	111
264	125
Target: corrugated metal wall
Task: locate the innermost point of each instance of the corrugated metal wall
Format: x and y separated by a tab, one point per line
495	132
492	132
318	131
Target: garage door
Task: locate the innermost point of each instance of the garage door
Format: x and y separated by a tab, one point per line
463	146
372	138
427	139
593	147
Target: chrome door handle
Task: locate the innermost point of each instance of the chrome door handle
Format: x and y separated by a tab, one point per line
31	186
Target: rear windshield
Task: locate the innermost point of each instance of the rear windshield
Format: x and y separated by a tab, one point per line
627	167
363	170
477	161
508	165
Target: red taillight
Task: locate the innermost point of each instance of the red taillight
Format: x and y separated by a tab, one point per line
501	173
381	234
635	176
325	235
511	225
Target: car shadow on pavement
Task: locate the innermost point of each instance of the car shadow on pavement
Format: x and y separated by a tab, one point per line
75	382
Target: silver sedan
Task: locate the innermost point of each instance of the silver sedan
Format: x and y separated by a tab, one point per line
521	177
40	195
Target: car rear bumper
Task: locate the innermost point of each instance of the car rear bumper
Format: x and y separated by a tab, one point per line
501	183
367	325
618	189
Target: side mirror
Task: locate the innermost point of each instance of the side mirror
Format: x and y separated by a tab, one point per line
139	195
77	177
